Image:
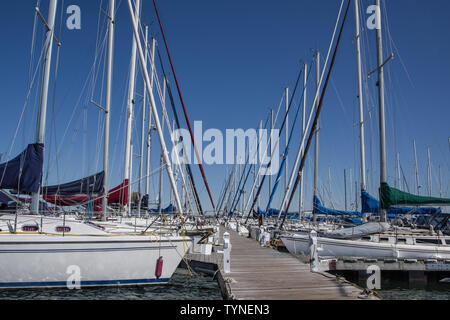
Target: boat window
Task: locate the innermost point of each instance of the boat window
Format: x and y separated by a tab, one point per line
384	239
30	228
401	240
62	229
432	241
366	238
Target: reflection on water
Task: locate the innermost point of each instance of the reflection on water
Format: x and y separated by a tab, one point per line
182	286
402	291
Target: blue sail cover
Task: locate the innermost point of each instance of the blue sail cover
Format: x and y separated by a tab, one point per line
24	172
372	205
274	212
88	185
5	201
169	209
319	209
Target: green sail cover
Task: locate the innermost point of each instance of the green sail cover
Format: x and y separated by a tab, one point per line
390	197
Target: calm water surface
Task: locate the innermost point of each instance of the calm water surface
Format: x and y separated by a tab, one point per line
182	286
436	291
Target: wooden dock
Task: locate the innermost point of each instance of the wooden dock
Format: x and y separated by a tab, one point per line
259	273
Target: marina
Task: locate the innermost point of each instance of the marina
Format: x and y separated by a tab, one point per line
124	189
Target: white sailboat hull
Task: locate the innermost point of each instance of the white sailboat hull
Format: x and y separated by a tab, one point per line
300	244
51	260
29	262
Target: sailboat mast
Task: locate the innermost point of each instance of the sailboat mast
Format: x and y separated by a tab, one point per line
316	134
161	160
350	195
305	79
398	171
108	105
382	122
130	107
42	113
257	171
329	184
429	172
271	145
345	190
286	138
416	169
129	181
141	154
360	99
150	125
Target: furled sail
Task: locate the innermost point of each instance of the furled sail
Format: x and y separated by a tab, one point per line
390	197
372	205
24	172
5	201
358	231
274	212
117	195
318	208
89	185
66	200
169	209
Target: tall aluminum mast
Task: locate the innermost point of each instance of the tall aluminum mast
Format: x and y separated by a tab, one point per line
108	104
42	113
130	110
360	102
382	121
141	153
316	135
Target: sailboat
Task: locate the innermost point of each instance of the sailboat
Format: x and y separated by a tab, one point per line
378	239
39	251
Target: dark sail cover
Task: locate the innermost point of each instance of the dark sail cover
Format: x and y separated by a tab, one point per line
390	197
169	209
4	201
274	212
117	195
318	208
24	172
88	185
372	205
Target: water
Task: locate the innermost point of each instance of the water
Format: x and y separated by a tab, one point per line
182	286
402	291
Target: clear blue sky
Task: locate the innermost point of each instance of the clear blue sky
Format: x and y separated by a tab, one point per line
233	60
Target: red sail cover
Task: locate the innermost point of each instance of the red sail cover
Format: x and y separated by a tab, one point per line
117	195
